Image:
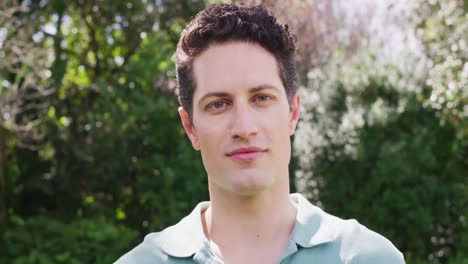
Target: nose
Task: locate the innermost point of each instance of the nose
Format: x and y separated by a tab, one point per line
243	123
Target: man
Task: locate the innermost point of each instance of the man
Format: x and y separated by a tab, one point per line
237	87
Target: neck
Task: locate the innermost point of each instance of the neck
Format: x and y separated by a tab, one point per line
265	219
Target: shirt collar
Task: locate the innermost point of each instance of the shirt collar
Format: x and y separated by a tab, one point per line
313	226
187	238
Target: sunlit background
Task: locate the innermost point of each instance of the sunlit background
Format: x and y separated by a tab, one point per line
92	155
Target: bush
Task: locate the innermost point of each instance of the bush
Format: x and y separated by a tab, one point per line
369	149
44	240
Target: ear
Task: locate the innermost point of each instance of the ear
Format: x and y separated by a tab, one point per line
294	113
189	128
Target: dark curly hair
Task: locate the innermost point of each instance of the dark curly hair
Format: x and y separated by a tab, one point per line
222	23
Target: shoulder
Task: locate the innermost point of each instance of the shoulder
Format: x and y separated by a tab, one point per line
345	241
179	241
148	251
360	245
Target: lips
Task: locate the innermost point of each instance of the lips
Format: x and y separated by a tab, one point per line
246	154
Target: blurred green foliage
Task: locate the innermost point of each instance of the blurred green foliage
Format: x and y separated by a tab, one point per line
43	239
92	155
111	161
384	139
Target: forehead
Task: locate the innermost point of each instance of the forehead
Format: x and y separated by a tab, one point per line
235	65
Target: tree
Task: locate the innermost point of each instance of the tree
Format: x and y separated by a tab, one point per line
370	148
113	153
24	92
443	28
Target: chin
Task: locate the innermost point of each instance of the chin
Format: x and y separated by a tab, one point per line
249	191
250	188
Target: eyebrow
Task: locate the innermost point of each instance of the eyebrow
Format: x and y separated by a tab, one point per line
251	90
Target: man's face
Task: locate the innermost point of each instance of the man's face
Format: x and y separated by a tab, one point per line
241	117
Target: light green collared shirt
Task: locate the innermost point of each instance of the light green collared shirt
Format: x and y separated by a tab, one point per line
317	237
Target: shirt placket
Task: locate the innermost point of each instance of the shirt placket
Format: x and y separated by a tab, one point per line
290	249
206	256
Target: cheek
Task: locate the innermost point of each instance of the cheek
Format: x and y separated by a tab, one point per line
280	123
209	137
280	132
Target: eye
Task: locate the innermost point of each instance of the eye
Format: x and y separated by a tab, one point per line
263	98
217	106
